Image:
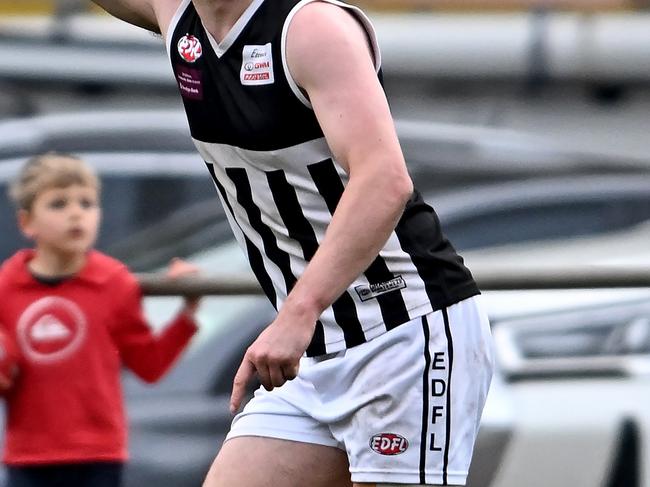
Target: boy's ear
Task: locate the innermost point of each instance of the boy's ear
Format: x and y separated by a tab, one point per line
24	223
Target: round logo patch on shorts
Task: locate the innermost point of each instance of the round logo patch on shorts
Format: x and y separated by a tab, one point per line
389	444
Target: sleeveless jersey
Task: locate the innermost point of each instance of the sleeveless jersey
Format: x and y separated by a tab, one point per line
280	184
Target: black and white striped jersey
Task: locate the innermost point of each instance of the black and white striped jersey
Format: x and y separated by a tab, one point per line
280	184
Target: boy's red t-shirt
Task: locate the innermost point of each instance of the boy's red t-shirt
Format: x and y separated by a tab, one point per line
73	338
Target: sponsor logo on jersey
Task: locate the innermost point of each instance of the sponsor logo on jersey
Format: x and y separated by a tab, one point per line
51	329
257	66
389	444
190	82
190	48
377	289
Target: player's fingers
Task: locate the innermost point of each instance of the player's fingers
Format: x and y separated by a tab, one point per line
264	375
290	372
5	382
277	375
244	374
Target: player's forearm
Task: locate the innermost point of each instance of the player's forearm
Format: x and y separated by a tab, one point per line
367	213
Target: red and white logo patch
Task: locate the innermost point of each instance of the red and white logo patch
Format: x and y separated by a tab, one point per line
389	444
51	329
190	48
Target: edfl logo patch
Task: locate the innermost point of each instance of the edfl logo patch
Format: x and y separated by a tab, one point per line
389	444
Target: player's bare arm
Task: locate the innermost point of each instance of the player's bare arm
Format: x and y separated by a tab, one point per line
152	15
329	57
353	112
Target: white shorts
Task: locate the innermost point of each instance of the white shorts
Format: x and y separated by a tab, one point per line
405	406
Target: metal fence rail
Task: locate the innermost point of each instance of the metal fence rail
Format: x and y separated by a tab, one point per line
491	277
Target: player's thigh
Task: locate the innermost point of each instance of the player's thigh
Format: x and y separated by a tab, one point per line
251	461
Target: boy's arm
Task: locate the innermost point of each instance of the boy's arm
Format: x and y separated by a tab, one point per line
141	13
147	354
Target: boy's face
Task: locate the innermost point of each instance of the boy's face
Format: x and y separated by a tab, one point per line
63	221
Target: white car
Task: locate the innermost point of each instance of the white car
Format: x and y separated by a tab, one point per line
576	368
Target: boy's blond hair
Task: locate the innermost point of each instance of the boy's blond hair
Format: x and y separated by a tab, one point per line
46	171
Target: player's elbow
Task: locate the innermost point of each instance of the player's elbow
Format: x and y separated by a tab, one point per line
386	178
398	186
404	187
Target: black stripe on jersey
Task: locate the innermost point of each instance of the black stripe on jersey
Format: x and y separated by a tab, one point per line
450	351
278	257
299	229
254	255
286	200
245	198
330	186
425	396
446	280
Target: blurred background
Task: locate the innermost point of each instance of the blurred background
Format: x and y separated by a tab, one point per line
524	122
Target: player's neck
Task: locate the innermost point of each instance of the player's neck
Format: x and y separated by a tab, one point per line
53	264
219	16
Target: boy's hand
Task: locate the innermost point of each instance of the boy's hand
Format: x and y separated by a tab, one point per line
8	363
178	268
5	383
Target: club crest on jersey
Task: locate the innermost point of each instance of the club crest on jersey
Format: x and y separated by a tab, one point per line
190	48
257	66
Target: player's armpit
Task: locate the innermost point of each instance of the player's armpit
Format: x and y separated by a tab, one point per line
140	13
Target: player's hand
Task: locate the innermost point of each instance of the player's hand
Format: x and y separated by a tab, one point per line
179	268
274	356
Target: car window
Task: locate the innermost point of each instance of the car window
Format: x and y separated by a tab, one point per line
534	221
609	337
577	339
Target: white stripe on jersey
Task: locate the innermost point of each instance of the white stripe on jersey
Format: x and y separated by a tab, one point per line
241	227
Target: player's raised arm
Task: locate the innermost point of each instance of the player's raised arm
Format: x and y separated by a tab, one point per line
141	13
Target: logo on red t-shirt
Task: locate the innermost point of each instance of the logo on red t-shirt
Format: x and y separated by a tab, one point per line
51	329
